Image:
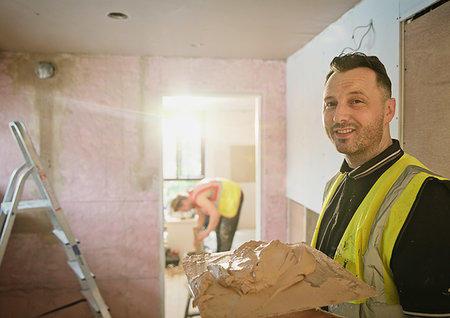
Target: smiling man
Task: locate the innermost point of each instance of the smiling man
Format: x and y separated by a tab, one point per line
357	113
385	215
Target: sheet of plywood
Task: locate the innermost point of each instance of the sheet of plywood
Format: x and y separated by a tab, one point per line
426	127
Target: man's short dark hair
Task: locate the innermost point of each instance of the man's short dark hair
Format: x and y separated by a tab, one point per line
350	61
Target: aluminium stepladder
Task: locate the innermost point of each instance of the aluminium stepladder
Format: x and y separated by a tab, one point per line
12	205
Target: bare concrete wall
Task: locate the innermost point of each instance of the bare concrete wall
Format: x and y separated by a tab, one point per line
97	127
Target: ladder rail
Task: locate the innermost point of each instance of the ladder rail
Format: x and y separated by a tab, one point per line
11	210
6	230
32	159
46	191
11	206
12	182
17	129
8	197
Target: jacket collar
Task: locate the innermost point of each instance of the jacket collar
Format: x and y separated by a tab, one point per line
390	154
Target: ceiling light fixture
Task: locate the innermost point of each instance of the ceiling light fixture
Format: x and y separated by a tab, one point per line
45	70
117	15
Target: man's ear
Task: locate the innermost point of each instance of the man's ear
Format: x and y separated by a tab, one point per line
389	110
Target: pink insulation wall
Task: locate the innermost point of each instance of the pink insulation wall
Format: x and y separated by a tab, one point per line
97	127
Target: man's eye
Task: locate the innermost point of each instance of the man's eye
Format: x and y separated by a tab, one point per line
329	104
356	101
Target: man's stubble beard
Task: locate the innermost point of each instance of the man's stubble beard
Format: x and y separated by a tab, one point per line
365	141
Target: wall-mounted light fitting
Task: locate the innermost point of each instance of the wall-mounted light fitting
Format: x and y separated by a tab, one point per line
45	70
117	15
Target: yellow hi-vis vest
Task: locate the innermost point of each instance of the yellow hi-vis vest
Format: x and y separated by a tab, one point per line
225	195
366	246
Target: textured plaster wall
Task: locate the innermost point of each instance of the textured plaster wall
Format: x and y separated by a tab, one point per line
97	127
265	78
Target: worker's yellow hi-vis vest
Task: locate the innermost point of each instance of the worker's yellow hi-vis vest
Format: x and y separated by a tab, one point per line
225	195
366	246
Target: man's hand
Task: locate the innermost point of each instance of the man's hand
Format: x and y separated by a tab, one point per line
202	235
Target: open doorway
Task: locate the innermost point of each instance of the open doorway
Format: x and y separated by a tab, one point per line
207	136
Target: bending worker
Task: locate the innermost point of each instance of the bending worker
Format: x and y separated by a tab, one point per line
218	205
385	216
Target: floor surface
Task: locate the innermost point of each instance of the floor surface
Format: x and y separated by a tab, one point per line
176	285
176	293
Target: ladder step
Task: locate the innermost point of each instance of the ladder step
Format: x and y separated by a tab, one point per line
61	235
28	206
91	300
77	269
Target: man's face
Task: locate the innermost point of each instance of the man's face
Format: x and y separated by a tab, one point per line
356	114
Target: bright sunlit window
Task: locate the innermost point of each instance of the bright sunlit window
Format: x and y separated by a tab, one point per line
183	145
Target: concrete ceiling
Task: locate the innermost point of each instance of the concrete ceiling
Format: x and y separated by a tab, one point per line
263	29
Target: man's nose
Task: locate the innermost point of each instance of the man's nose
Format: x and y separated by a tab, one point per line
341	113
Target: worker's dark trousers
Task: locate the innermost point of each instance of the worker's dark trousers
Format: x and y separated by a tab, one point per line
226	228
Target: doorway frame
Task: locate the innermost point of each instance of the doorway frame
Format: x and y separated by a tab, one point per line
258	179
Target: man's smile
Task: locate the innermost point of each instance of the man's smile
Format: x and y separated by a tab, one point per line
341	131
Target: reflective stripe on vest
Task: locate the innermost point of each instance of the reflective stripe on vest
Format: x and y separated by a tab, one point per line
366	247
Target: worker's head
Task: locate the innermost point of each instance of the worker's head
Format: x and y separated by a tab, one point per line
357	106
347	62
181	203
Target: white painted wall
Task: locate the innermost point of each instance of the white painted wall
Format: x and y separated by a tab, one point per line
226	127
311	157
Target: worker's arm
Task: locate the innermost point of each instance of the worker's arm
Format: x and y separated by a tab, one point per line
214	215
201	218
